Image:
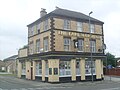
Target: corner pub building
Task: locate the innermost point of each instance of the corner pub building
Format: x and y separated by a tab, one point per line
60	46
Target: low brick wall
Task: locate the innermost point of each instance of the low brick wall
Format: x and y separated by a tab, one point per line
113	71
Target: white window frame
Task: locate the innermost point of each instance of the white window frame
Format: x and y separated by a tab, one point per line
80	45
93	46
79	26
92	28
38	28
38	45
46	25
46	69
45	44
31	47
65	70
67	42
23	68
67	24
38	68
88	67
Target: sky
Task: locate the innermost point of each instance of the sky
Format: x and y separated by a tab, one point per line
15	15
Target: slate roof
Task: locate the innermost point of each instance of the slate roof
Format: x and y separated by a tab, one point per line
70	14
14	57
73	14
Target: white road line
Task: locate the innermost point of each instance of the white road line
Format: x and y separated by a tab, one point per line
111	89
43	88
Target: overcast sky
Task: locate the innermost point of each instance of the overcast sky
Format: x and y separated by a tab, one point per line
15	15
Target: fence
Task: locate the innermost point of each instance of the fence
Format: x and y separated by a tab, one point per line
113	71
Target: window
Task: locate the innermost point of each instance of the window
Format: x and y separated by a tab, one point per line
38	28
65	68
77	67
45	25
67	44
39	68
29	31
92	28
32	31
92	46
46	68
50	71
79	26
66	24
88	67
45	42
31	48
38	45
55	71
80	44
23	68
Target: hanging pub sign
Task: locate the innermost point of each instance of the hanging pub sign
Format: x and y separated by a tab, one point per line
75	43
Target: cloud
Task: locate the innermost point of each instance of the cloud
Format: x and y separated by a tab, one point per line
16	14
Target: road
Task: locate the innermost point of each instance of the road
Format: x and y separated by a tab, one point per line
12	83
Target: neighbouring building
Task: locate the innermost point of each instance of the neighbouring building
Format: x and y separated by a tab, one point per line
60	46
2	66
10	64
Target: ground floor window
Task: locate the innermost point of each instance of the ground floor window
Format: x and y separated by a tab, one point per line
65	68
77	67
38	68
46	68
23	68
88	67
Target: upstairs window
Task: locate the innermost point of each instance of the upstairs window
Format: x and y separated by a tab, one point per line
45	25
92	28
29	31
32	30
66	24
45	44
93	46
80	44
38	28
31	48
38	45
79	26
67	44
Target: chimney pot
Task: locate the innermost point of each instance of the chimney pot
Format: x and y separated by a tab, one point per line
43	12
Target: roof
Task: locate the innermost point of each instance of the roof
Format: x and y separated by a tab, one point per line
70	14
11	58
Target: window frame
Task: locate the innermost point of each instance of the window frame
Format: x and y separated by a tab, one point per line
81	45
31	47
46	25
46	44
67	44
92	28
93	46
80	26
38	46
38	28
67	24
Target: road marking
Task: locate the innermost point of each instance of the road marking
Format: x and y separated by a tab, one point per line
111	89
43	88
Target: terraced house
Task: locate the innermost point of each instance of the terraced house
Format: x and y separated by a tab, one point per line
63	46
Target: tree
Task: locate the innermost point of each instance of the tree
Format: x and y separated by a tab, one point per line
110	60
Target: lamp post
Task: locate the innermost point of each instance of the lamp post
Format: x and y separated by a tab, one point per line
91	48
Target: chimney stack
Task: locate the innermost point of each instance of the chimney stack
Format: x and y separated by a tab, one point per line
43	12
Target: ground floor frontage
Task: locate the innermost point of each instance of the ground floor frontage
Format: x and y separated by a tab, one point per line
61	68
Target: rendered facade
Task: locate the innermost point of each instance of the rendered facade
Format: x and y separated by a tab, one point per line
59	48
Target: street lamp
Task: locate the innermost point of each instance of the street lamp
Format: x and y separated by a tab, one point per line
91	48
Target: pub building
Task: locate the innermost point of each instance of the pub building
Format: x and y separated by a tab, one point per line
63	46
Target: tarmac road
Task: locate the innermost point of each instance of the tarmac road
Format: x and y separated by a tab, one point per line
13	83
